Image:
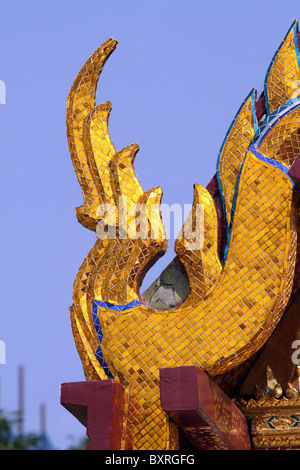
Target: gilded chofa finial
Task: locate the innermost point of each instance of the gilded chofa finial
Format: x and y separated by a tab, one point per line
238	292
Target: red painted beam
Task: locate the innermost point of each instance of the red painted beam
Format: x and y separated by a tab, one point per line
99	406
206	415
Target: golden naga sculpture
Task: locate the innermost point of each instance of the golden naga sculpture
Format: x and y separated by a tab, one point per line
238	293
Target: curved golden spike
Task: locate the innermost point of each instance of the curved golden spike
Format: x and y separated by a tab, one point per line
85	336
234	149
99	149
123	180
81	102
197	246
115	279
283	77
149	205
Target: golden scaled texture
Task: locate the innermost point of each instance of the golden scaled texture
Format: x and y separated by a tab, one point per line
282	79
199	254
234	149
235	302
273	418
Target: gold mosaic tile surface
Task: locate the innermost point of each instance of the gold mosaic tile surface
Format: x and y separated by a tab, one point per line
235	302
234	150
282	143
197	246
282	80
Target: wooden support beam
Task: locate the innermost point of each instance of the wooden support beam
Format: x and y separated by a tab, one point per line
208	418
99	406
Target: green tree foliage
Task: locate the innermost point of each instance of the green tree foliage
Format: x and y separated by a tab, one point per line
11	440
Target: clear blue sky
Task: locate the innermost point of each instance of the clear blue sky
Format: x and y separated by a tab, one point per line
176	80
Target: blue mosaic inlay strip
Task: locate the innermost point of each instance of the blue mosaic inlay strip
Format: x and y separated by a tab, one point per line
262	157
296	42
271	161
256	129
101	304
273	118
98	329
258	138
119	308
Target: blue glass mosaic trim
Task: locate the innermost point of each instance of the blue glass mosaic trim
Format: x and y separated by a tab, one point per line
119	308
251	95
101	304
229	229
258	138
273	118
99	353
262	157
272	162
296	42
